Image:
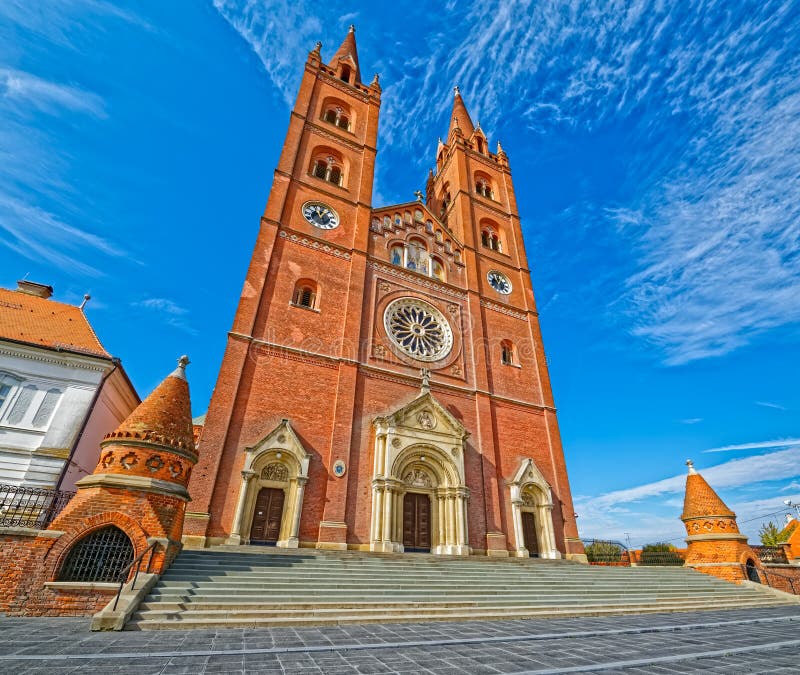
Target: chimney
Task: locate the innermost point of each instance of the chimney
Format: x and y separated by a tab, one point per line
32	288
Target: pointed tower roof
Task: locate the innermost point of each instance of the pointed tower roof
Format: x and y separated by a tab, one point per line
348	49
165	416
460	117
701	501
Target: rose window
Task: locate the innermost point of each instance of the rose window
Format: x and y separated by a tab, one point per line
418	329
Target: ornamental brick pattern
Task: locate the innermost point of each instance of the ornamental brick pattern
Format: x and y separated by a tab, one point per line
332	369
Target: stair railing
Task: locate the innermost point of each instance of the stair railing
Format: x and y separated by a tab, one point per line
791	582
122	578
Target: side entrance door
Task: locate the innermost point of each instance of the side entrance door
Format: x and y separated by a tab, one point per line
416	522
529	533
266	526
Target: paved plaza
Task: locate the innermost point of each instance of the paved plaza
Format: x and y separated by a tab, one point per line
740	641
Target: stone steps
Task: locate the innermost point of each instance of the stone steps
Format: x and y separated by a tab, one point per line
265	587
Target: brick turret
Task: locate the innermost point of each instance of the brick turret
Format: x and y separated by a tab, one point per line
716	546
139	486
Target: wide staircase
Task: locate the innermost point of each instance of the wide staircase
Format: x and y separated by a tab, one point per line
243	587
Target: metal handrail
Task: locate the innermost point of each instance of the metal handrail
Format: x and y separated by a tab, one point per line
125	573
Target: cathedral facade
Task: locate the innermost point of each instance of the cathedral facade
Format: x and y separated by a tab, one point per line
384	386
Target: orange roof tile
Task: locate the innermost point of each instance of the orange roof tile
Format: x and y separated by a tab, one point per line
701	500
165	416
46	323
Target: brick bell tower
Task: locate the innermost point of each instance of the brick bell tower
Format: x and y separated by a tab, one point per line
384	385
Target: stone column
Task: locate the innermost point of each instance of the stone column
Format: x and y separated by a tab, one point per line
548	533
519	536
441	517
235	537
388	503
294	534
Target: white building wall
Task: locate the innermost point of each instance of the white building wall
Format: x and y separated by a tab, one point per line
41	416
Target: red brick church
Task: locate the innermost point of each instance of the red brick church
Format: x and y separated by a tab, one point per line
384	386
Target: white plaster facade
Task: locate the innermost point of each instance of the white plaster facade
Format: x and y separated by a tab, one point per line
51	413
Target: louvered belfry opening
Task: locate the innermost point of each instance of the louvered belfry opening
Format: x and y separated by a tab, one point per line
101	555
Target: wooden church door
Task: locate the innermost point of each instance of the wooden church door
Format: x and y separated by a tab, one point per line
416	522
268	515
529	534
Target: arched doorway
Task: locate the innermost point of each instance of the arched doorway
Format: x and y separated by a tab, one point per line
752	571
271	494
531	512
419	493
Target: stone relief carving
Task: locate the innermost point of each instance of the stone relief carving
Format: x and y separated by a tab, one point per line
275	471
418	478
426	419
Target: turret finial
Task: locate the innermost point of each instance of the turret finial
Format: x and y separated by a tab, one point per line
690	464
180	371
352	28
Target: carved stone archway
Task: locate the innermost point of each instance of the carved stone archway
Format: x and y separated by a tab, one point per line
530	492
280	461
420	449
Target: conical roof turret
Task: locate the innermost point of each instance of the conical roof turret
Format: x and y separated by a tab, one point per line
164	417
348	50
460	119
701	501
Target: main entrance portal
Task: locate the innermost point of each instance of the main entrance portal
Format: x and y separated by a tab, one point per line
267	518
417	522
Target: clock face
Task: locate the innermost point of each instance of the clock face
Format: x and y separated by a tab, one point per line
320	215
499	282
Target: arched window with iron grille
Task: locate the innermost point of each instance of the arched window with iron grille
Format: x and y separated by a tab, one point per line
101	555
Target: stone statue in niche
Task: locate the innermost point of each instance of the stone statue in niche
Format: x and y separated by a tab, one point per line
418	478
275	471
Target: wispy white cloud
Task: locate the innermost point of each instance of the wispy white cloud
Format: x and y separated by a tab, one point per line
794	485
280	33
651	511
768	404
170	312
779	465
692	420
760	445
37	234
25	90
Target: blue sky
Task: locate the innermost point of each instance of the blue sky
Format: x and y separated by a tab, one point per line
655	148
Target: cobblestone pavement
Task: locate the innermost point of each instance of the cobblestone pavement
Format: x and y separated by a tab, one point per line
740	641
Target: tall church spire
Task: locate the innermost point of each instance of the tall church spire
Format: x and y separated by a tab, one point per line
347	54
460	117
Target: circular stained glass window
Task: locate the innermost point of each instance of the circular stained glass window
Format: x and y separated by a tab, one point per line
418	329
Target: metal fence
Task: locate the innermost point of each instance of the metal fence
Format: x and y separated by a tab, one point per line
663	558
30	507
604	552
775	555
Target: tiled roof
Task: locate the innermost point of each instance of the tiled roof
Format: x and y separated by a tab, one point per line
701	500
164	417
46	323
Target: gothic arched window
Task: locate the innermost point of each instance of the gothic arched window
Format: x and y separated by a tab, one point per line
327	166
507	353
305	294
437	269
